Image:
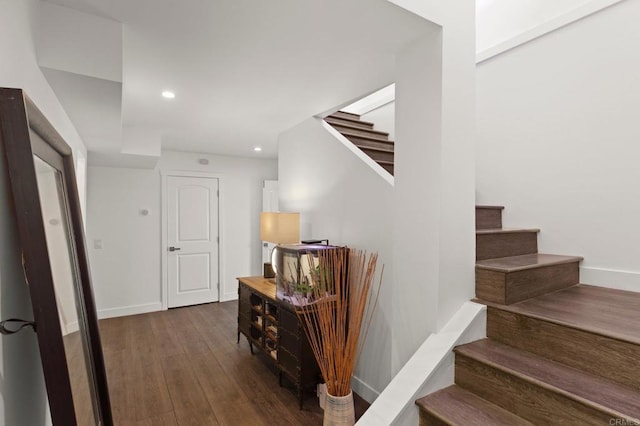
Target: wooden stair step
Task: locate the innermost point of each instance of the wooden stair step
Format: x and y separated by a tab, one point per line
540	390
387	165
525	262
345	115
378	154
371	143
356	123
592	328
359	131
372	136
489	217
456	406
512	279
494	243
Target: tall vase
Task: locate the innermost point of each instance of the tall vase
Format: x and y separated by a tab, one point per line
339	411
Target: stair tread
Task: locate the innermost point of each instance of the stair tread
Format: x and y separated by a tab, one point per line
360	129
346	121
372	148
524	262
457	406
594	391
373	137
505	230
384	162
604	311
341	115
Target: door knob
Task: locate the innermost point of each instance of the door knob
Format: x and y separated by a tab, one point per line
174	248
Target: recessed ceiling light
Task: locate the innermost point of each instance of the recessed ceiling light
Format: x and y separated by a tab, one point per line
168	94
257	149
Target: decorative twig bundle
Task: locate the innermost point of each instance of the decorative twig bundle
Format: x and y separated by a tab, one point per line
341	311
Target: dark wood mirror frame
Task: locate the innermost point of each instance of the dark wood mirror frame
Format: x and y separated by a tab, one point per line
19	118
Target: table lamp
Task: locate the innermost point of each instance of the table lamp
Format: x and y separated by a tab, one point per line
278	228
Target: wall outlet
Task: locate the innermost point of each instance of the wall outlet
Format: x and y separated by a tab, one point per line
97	244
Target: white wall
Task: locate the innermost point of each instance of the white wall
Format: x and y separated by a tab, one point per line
434	238
558	135
22	393
341	198
425	224
97	52
127	271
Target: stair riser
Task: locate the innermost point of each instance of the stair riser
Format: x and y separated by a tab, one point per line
603	356
345	115
361	132
377	155
491	246
388	167
525	399
488	218
371	136
512	287
371	144
426	419
342	121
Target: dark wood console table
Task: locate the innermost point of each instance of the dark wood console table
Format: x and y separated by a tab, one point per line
273	327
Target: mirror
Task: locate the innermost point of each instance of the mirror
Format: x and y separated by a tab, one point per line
65	281
47	208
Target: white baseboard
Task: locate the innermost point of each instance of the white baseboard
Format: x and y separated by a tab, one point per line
129	310
226	297
368	393
72	327
611	278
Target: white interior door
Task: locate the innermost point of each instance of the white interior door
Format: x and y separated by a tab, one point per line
192	240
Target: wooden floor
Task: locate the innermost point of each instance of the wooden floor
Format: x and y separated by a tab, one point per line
183	367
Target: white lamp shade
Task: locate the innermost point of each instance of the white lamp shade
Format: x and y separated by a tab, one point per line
280	228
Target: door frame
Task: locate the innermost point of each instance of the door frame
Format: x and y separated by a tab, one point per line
164	199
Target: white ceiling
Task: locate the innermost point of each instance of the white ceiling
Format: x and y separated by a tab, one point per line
243	70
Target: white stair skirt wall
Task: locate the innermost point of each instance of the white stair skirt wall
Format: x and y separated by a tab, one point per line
531	33
428	370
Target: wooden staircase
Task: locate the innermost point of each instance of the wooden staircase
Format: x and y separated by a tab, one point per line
374	143
557	352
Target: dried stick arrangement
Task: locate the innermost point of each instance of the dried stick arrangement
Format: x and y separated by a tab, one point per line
341	311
